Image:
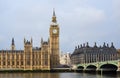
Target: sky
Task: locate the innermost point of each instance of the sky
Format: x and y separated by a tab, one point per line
80	21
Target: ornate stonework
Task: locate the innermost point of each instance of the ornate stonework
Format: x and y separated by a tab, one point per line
44	57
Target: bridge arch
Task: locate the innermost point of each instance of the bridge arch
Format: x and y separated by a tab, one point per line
108	67
80	68
91	67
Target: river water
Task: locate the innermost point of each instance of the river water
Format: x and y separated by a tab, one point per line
58	75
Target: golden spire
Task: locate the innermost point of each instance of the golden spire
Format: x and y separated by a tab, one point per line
54	17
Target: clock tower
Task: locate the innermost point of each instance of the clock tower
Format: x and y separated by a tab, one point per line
54	42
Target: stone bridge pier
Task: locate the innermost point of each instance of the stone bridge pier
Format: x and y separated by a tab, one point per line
118	65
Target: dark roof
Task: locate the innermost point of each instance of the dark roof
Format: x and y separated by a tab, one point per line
83	50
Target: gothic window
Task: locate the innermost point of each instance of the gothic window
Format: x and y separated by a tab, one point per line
12	56
8	56
46	56
39	62
3	56
33	56
17	56
46	62
8	62
21	56
17	62
28	62
12	62
3	62
21	62
27	56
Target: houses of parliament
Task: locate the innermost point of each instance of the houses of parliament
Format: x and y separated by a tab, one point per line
46	57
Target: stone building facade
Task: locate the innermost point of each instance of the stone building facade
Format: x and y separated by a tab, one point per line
118	53
44	57
87	54
65	59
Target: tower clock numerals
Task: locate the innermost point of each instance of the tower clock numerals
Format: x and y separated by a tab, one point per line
54	31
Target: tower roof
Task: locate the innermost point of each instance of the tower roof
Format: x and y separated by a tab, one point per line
54	17
54	12
13	41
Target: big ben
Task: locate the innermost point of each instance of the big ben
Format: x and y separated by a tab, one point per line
54	42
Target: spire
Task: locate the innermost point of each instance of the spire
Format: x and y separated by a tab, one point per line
95	45
78	46
81	45
112	46
24	40
41	41
75	47
48	40
87	45
31	40
13	41
107	45
104	45
54	12
84	45
13	44
54	17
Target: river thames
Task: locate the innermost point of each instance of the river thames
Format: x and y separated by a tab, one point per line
57	75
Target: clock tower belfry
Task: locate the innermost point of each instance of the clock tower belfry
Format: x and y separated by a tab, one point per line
54	42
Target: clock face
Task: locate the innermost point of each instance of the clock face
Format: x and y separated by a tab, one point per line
54	31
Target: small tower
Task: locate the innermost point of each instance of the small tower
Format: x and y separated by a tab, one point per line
13	44
41	41
95	46
28	54
112	46
28	45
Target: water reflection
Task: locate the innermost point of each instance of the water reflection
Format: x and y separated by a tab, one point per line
58	75
29	75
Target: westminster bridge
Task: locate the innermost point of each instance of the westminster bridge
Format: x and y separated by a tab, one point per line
113	65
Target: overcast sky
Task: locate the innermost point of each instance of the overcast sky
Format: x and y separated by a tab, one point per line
80	21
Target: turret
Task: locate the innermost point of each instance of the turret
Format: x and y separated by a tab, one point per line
28	43
87	45
41	41
24	40
31	40
12	44
81	45
104	45
95	46
112	46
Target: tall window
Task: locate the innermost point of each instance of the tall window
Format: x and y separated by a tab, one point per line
3	62
46	62
28	62
21	62
8	62
12	62
17	62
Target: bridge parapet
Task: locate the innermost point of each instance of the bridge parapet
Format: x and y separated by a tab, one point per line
99	64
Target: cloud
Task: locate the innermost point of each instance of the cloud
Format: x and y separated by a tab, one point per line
79	21
116	10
